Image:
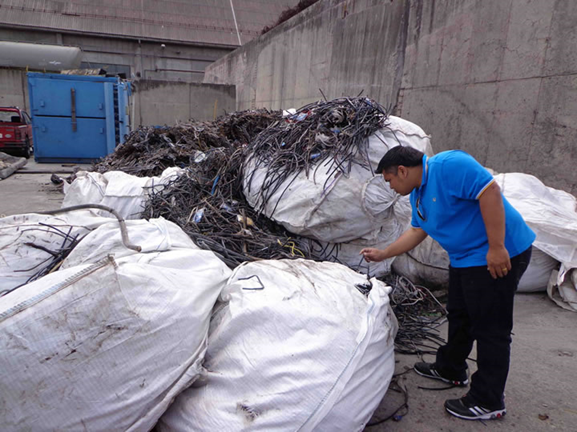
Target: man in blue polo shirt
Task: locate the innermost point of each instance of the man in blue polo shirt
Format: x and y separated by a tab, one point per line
458	203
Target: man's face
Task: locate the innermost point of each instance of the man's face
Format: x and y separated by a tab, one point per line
399	181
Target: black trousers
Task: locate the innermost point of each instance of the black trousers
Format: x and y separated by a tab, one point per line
480	309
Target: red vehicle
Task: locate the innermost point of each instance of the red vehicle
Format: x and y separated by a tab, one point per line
15	132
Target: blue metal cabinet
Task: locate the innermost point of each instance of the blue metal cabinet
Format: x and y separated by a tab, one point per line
77	118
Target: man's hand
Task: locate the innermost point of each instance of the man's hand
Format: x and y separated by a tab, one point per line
407	241
373	254
498	262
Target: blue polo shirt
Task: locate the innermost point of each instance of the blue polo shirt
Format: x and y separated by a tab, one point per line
448	209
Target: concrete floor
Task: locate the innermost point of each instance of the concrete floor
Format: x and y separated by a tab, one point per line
542	379
25	191
543	376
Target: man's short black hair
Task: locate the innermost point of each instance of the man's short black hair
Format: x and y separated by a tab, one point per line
400	155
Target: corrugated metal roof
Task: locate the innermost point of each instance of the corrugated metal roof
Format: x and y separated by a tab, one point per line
201	21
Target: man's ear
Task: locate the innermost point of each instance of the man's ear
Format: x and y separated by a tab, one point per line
403	172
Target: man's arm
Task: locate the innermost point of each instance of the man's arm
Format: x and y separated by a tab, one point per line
407	241
491	204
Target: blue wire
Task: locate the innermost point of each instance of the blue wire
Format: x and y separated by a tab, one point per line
214	184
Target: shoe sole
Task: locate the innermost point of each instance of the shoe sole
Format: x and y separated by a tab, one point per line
440	378
493	415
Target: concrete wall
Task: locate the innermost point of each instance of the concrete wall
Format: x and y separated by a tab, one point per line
163	102
499	82
13	88
496	78
339	48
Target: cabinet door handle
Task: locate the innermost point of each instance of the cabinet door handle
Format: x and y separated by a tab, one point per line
73	108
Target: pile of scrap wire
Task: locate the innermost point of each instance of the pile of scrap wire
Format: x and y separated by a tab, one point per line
207	203
419	314
242	127
330	134
148	151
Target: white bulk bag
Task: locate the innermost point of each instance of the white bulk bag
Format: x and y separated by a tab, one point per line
87	188
296	346
154	235
552	214
106	346
565	293
122	192
349	208
20	260
427	264
537	275
349	253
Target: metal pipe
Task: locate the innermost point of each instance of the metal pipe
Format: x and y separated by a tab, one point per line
38	56
123	230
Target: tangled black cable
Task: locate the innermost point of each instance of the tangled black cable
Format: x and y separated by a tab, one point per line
331	135
149	150
208	204
419	315
55	255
